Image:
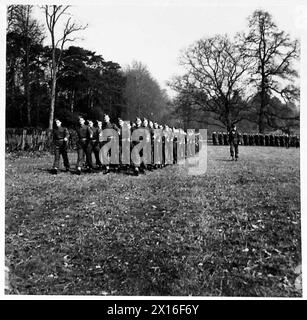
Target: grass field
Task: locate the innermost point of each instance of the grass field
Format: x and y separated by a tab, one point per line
233	231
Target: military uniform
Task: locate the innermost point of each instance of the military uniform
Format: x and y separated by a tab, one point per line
109	125
225	138
214	139
175	141
234	140
93	146
220	138
272	140
282	140
256	139
287	141
251	140
297	141
136	166
83	136
60	147
245	139
267	140
276	138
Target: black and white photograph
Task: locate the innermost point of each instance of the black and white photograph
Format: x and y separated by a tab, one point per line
152	149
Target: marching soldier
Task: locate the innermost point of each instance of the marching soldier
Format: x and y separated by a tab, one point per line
109	125
157	145
163	145
137	125
92	145
98	143
175	141
146	165
60	138
83	134
151	132
234	140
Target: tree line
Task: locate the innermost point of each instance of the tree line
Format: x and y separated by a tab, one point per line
250	79
54	79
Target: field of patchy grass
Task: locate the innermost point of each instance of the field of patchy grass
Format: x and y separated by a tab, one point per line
233	231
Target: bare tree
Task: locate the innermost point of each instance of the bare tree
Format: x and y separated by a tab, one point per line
215	77
273	52
53	14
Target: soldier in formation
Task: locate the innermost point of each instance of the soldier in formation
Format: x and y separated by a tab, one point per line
60	138
92	138
258	139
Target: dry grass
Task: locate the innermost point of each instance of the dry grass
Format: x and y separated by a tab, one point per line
234	231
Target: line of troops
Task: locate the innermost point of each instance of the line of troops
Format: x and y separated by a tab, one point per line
90	141
258	139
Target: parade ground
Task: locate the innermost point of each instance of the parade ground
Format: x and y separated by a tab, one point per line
233	231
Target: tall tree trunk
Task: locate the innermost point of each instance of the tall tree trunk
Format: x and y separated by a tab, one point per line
52	104
27	89
27	72
262	106
53	86
261	115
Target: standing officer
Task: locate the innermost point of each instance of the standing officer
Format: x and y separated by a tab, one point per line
234	140
60	138
83	134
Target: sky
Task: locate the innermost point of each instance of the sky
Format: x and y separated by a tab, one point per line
154	31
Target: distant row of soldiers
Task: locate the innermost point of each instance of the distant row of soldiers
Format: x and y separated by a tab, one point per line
93	136
258	139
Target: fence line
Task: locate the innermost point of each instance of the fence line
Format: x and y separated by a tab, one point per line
21	139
